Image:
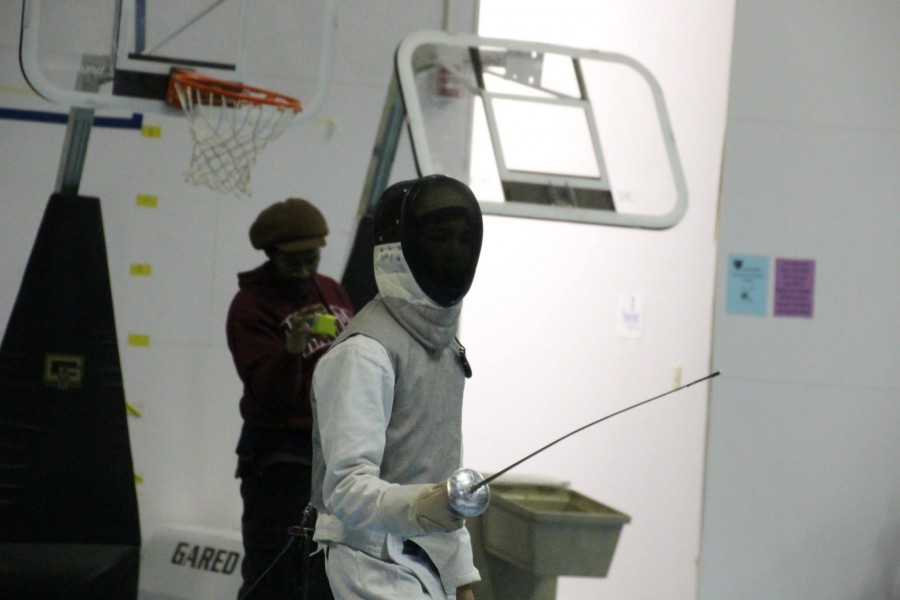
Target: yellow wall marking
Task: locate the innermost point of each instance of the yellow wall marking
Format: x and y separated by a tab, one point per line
151	131
138	339
146	200
141	269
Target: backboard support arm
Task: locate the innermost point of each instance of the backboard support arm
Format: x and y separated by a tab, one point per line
393	118
78	129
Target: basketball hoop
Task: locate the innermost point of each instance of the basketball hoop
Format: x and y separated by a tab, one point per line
230	123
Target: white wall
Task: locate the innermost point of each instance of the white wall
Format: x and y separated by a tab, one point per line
539	324
802	489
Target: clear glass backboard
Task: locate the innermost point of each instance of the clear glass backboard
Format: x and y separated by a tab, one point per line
543	131
119	53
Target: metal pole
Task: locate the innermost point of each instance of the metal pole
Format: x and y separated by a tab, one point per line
94	70
392	119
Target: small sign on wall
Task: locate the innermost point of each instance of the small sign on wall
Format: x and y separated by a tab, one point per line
748	284
794	286
630	322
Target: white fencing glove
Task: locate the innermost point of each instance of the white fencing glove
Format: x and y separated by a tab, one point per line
433	512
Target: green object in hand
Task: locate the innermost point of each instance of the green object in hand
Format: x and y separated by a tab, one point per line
323	324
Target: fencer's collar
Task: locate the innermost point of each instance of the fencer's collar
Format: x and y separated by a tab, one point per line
433	325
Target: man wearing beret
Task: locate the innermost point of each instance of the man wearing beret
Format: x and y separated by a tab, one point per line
281	321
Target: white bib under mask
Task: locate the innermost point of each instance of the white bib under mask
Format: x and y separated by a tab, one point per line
430	323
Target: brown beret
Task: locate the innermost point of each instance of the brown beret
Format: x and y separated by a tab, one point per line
291	225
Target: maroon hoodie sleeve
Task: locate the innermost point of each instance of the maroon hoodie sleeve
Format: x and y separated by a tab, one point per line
276	382
273	378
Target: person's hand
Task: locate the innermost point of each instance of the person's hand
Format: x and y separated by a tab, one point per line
298	333
433	512
464	592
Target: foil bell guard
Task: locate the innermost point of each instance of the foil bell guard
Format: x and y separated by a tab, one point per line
463	498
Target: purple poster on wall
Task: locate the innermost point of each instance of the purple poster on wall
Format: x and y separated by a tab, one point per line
794	287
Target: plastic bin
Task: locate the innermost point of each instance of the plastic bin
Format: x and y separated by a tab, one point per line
551	530
532	533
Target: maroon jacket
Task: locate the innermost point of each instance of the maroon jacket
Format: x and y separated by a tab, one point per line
275	400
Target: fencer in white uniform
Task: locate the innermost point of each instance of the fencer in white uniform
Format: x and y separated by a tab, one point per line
387	402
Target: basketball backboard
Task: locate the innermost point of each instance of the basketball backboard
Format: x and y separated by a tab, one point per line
118	53
543	131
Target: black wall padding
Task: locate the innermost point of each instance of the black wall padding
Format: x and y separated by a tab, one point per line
68	505
359	275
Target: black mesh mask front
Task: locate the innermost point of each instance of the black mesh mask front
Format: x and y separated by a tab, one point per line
438	223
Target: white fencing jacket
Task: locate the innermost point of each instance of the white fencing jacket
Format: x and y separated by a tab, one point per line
387	405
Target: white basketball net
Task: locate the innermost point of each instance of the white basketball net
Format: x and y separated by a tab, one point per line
228	135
